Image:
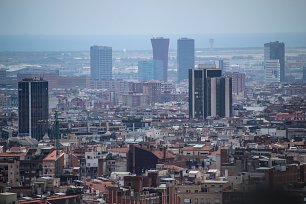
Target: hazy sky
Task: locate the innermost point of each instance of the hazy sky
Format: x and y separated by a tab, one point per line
150	17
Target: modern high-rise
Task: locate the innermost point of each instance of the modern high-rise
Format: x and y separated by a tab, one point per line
101	63
150	70
238	82
219	100
210	94
33	107
185	57
160	52
276	51
272	71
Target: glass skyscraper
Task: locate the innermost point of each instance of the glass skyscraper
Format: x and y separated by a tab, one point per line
150	70
101	63
185	57
276	51
33	108
160	52
210	94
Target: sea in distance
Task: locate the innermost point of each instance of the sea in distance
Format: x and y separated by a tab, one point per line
142	42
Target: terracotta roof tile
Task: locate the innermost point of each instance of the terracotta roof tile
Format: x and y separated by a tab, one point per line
12	154
101	186
52	156
120	150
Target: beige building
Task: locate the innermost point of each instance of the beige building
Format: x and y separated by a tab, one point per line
209	192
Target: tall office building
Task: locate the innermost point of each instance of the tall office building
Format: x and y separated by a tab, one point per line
238	82
219	100
160	52
276	51
185	57
210	94
101	63
33	108
272	71
150	70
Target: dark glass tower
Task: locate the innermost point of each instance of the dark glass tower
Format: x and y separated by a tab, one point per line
33	108
101	63
185	57
160	52
209	94
276	51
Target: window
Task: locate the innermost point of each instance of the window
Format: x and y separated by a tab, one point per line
187	200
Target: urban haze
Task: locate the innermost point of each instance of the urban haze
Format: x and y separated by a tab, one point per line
152	102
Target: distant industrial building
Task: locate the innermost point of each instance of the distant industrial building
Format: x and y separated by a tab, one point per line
33	107
272	71
101	63
160	52
210	94
276	51
207	66
304	73
52	76
221	64
2	74
185	57
150	70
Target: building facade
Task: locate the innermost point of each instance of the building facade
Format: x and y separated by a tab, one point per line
219	94
101	63
238	82
272	71
150	70
33	107
276	51
210	94
160	52
185	57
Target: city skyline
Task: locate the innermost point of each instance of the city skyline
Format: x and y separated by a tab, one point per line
108	101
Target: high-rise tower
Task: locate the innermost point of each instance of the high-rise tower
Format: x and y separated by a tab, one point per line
210	94
160	52
185	57
272	71
101	63
150	70
276	51
33	108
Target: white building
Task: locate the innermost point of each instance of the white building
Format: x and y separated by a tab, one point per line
272	71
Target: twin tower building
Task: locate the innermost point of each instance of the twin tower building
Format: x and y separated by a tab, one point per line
210	94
